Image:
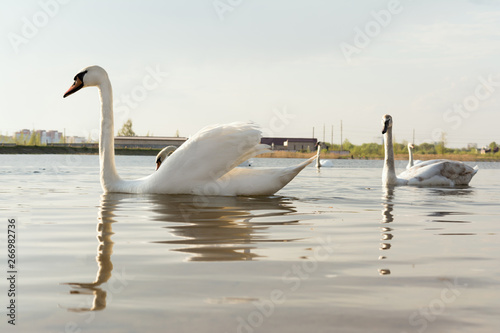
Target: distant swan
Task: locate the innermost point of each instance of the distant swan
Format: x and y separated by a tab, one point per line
410	153
428	173
204	165
163	154
322	163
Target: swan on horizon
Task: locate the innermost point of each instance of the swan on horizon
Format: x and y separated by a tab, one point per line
428	173
322	163
206	164
411	162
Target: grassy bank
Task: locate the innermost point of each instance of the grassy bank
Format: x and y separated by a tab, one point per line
73	150
423	157
19	149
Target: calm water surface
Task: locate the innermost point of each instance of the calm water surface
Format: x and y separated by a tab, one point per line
333	251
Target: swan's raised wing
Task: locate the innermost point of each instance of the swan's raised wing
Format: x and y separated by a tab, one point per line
209	154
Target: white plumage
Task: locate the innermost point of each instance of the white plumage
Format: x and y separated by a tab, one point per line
411	162
206	164
427	173
322	163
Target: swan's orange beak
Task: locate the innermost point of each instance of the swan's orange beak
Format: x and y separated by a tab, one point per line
77	85
158	163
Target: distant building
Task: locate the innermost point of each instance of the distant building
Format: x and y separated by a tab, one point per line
485	150
52	137
75	139
23	136
290	144
46	137
148	141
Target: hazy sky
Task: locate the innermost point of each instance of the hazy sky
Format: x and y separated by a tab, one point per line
287	65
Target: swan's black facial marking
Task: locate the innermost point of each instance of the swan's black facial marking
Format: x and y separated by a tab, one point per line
77	85
387	124
158	162
80	76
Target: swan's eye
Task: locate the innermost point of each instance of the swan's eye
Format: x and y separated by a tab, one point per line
80	76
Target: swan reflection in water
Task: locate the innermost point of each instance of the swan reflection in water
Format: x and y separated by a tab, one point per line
387	217
221	228
206	228
104	250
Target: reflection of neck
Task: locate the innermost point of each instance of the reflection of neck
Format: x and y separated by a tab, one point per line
104	251
106	140
103	258
389	173
388	205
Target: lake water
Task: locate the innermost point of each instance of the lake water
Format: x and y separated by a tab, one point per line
333	251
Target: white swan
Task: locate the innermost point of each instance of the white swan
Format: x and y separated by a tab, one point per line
163	154
205	164
167	151
411	162
428	173
322	163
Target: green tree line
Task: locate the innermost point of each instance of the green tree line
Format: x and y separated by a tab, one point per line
375	150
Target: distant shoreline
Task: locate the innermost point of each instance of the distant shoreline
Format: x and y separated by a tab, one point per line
423	157
20	149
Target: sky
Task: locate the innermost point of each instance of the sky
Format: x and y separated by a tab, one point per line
292	67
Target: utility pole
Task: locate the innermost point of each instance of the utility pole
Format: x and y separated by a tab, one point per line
413	140
331	142
341	146
313	132
323	132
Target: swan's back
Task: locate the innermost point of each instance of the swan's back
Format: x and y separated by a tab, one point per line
204	158
439	173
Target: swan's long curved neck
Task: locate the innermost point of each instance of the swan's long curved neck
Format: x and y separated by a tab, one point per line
389	172
106	138
410	152
318	163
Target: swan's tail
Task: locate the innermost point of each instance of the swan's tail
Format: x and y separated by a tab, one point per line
293	171
307	162
476	169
